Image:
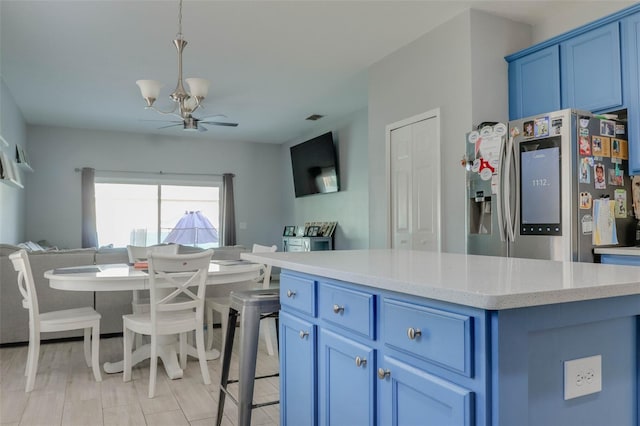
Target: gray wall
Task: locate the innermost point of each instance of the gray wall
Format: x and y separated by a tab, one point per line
350	206
459	68
12	200
53	199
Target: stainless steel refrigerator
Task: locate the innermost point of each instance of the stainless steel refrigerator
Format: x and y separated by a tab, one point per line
549	186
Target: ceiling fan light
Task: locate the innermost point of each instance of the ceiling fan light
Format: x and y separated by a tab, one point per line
199	87
150	90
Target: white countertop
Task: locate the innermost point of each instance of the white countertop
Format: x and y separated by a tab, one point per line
480	281
620	251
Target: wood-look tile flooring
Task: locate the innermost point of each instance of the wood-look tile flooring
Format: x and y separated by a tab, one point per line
66	393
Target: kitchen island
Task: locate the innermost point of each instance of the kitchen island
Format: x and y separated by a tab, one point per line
403	337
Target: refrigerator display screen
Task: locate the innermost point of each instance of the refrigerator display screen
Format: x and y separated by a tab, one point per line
540	187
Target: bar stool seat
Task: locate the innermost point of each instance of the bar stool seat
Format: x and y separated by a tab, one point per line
252	306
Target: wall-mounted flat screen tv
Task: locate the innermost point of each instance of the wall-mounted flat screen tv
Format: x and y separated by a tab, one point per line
315	166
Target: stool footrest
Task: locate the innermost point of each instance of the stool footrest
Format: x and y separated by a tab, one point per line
268	376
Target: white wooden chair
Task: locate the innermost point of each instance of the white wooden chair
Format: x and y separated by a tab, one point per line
171	276
139	303
64	320
221	305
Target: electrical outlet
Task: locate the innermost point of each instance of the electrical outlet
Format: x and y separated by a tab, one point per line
582	376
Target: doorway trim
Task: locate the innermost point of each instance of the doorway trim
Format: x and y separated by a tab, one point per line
434	113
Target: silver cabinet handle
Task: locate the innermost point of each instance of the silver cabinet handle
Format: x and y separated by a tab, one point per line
337	309
412	333
382	373
303	334
291	293
361	362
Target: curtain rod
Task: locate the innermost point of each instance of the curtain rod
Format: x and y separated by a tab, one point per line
79	169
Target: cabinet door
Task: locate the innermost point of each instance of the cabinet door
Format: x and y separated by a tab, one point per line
409	396
297	371
346	375
591	71
631	60
534	83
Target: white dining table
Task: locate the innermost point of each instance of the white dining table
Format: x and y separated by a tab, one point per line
124	277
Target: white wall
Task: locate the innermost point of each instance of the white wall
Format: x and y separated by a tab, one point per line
441	70
53	199
574	14
12	200
350	206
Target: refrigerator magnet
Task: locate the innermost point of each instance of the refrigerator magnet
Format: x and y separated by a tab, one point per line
584	132
486	131
620	130
500	129
585	170
620	197
607	128
615	178
473	137
587	224
619	149
528	129
556	126
584	145
541	127
599	174
585	200
601	146
584	123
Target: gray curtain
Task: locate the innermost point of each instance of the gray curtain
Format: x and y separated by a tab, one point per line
89	228
228	211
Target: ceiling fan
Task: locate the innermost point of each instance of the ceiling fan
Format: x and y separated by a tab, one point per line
190	123
185	102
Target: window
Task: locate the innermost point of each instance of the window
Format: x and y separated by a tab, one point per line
147	213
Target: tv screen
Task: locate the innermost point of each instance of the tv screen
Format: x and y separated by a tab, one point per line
315	168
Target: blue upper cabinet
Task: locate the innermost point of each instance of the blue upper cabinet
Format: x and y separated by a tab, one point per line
591	73
631	64
534	83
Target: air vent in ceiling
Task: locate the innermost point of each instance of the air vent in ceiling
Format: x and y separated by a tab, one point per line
314	117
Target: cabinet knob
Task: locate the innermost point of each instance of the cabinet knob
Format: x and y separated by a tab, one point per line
382	373
291	293
412	333
361	362
338	309
303	334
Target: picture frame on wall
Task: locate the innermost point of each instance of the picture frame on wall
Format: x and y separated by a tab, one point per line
289	231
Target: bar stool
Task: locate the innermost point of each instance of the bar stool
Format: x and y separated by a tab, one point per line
252	306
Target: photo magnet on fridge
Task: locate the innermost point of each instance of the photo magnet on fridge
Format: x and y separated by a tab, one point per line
541	127
584	145
599	174
585	200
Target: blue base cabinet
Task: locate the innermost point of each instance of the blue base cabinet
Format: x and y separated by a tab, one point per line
358	355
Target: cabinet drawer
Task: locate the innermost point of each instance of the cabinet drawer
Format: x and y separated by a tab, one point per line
431	334
349	309
298	293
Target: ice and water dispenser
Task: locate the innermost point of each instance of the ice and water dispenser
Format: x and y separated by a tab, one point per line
480	213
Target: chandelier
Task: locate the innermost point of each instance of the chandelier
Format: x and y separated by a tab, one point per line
185	102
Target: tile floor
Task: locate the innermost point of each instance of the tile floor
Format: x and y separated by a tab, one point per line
66	393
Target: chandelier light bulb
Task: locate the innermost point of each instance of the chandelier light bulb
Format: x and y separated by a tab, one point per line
150	90
198	87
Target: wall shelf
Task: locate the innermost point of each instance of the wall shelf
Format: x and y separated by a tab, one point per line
21	159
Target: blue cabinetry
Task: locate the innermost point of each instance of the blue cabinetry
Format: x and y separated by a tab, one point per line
346	378
631	75
534	83
591	71
298	363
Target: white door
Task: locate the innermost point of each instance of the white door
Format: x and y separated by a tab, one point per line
414	154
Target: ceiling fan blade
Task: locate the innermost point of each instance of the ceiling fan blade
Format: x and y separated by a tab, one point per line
201	128
164	121
170	125
208	117
219	123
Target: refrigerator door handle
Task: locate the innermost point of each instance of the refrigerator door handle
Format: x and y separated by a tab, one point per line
507	190
516	168
500	194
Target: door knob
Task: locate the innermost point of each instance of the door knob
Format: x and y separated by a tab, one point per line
382	373
337	309
412	333
360	361
303	334
290	293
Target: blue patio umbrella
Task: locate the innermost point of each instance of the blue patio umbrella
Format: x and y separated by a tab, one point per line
193	228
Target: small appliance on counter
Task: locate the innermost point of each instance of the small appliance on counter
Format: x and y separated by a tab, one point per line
552	186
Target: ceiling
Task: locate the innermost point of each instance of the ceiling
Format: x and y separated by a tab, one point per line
270	63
